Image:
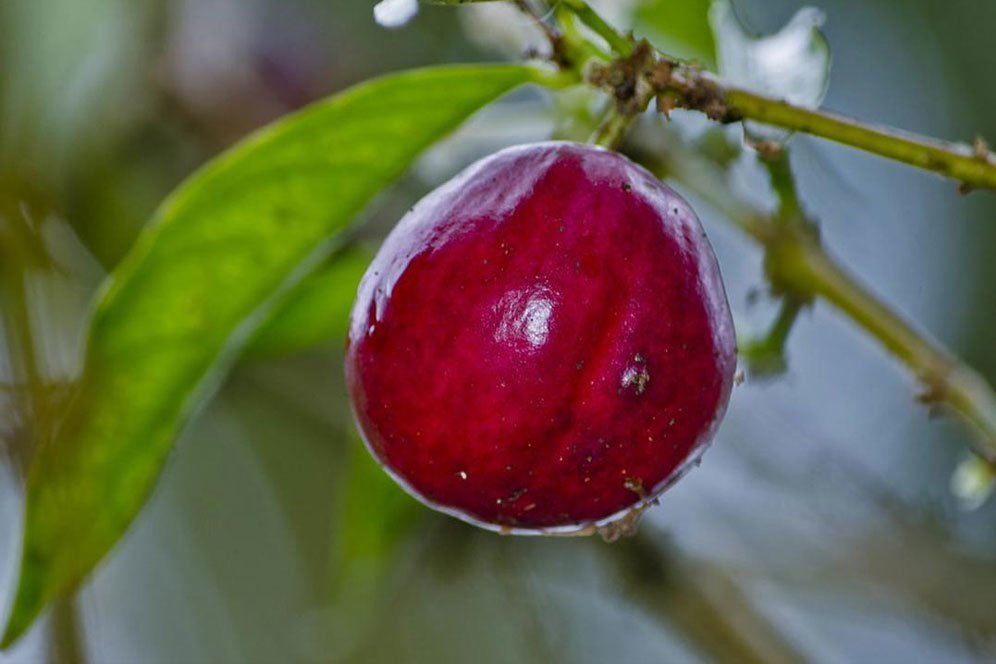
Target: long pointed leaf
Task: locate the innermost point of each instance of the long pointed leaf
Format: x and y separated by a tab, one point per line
181	304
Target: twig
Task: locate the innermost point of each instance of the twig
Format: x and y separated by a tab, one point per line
612	129
621	44
798	265
775	160
765	356
558	47
689	87
973	166
946	381
67	639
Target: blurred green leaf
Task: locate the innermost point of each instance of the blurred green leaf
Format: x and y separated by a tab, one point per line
792	64
715	144
69	74
372	545
373	516
178	309
315	311
678	27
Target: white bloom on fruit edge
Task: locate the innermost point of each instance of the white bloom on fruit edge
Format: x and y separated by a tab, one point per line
395	13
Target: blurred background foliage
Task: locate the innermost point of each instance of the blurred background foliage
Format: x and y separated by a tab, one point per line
819	526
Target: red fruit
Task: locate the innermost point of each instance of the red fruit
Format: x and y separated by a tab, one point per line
542	343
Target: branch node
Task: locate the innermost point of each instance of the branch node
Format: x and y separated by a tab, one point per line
625	79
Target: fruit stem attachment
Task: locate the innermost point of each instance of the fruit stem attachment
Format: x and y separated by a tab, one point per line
612	129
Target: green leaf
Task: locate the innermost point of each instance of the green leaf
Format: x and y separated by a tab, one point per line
180	306
678	27
792	64
315	311
376	532
362	544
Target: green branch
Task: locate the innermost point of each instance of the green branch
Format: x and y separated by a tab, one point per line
612	129
765	355
974	166
621	44
799	267
947	381
689	87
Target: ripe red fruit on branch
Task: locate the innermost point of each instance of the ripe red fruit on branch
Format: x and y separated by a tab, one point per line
543	343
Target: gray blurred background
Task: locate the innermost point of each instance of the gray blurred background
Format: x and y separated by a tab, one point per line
819	526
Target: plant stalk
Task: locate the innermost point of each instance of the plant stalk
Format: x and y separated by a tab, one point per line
620	43
800	267
947	381
975	166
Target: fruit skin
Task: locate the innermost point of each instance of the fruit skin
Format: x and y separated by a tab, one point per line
543	343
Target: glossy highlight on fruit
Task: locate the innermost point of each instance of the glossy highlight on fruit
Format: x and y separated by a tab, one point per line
543	343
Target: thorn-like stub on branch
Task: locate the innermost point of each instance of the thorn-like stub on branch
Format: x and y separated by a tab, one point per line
934	388
767	150
929	394
666	102
659	78
691	88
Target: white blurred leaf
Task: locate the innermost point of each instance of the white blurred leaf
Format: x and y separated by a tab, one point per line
395	13
792	64
972	483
